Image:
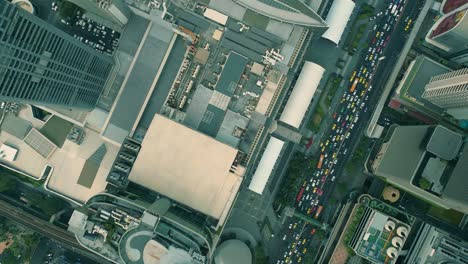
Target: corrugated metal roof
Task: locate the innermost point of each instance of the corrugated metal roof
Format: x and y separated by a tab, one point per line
302	94
197	106
266	165
337	19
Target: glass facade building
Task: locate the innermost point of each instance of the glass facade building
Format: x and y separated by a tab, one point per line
40	64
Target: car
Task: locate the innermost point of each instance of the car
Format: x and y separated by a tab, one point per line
319	192
334	155
334	127
284	238
347	134
313	232
352	76
375	27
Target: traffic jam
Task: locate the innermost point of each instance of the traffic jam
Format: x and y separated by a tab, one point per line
335	147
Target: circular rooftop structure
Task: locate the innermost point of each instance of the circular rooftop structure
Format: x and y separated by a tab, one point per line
391	194
233	251
25	5
137	246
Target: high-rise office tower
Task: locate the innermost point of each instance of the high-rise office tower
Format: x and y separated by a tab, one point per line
449	91
450	32
40	64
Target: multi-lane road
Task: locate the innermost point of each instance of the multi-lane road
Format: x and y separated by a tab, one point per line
385	41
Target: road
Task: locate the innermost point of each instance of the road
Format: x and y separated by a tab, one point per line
46	229
385	41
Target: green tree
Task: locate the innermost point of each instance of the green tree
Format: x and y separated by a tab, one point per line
49	205
8	257
259	255
6	183
68	9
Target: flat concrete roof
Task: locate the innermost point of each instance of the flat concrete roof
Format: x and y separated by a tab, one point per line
403	154
187	166
141	78
444	143
457	187
289	11
416	79
67	161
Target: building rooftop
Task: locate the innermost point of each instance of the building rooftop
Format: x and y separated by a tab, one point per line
410	160
456	189
378	237
233	251
436	246
444	143
419	73
402	154
451	5
146	45
188	167
447	23
289	11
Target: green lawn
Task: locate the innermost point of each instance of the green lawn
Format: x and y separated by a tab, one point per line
450	216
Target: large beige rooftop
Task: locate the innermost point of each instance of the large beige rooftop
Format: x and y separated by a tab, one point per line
187	166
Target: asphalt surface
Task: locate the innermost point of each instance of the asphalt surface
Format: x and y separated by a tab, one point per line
349	118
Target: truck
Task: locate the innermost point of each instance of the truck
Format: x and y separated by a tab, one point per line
353	87
320	162
319	210
299	195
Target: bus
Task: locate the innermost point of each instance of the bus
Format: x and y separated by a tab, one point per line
353	87
319	210
299	195
319	165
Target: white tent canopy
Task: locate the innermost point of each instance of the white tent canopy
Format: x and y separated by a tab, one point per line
337	19
302	94
266	164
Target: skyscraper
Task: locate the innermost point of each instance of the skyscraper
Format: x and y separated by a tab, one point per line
449	91
450	32
39	64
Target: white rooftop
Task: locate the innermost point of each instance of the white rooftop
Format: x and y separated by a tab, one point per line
187	166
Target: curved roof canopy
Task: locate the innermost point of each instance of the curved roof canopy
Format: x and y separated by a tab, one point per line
233	251
337	19
266	164
289	11
302	94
